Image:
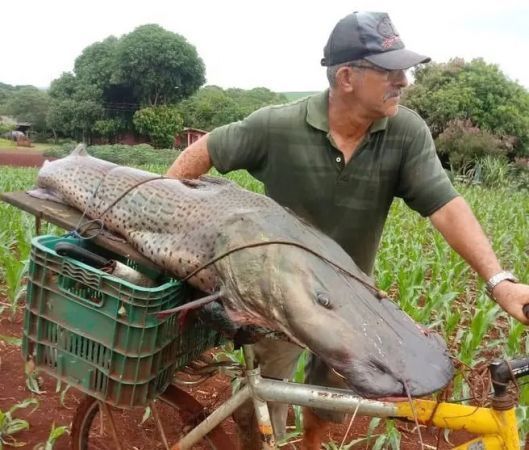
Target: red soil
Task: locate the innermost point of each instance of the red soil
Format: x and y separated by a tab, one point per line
21	158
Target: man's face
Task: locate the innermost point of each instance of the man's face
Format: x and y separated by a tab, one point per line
377	90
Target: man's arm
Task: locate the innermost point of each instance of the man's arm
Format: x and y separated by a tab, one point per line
458	225
192	162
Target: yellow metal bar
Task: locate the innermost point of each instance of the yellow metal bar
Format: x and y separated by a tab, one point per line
476	420
485	443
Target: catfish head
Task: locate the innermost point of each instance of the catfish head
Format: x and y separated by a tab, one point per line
377	349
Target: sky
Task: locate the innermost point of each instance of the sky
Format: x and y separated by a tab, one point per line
246	44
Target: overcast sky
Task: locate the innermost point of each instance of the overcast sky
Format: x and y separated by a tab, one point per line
275	44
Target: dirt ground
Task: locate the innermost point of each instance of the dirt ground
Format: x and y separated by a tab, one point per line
55	410
21	157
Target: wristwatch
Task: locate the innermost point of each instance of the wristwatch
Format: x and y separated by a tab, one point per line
498	278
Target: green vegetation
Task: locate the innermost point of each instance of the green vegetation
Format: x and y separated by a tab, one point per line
472	110
291	96
29	104
16	230
9	425
130	155
160	123
116	77
55	434
6	143
213	106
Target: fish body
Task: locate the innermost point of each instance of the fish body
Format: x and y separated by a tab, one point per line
275	270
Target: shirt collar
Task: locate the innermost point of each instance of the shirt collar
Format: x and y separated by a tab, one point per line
318	117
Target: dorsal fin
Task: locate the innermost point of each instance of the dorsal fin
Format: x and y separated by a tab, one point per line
80	150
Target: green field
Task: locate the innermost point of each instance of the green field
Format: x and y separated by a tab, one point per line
6	144
431	283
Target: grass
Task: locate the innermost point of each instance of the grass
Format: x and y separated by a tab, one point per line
6	144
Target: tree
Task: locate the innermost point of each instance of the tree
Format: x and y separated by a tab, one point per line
250	100
160	123
97	67
474	91
209	108
29	104
75	107
161	67
97	63
114	78
212	106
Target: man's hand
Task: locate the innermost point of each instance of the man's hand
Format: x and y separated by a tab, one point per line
512	297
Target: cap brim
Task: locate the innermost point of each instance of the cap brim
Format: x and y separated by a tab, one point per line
397	59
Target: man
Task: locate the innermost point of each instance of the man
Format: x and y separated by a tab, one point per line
338	159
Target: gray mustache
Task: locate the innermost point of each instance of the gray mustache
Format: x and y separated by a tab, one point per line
392	94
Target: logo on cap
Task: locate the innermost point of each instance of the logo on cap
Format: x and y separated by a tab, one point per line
388	32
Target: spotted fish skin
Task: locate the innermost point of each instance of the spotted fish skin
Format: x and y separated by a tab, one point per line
183	224
173	223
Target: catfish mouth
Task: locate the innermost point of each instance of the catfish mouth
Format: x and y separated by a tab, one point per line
370	379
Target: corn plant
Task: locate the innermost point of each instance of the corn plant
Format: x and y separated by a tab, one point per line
55	434
14	256
9	425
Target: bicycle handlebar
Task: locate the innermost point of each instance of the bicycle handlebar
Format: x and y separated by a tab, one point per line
502	372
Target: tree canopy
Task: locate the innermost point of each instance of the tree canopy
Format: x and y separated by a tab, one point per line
28	104
213	106
475	92
114	78
161	67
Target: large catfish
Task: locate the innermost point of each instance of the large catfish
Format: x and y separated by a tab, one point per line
273	269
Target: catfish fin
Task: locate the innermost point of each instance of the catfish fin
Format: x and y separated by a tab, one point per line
80	150
45	194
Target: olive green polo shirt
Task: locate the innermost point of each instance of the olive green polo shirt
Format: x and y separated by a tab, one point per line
289	148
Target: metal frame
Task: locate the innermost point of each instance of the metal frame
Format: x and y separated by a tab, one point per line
497	429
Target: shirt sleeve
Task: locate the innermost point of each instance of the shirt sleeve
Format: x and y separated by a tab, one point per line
423	183
240	145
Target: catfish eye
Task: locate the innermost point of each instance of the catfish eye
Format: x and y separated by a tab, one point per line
324	300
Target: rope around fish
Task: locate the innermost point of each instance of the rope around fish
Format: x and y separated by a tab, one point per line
79	229
379	294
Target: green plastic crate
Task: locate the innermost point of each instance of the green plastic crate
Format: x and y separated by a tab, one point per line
97	332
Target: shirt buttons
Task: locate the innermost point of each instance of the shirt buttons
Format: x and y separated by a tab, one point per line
338	159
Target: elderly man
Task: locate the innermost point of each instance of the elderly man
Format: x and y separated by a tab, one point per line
338	159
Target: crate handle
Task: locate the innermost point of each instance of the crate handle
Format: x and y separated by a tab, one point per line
82	292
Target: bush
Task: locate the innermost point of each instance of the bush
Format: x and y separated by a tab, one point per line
6	127
520	169
129	155
477	91
463	144
160	123
493	171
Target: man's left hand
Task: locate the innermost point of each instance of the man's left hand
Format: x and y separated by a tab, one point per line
512	297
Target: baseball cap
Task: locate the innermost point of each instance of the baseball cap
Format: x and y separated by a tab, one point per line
370	36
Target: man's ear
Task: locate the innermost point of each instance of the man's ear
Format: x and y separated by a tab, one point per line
345	78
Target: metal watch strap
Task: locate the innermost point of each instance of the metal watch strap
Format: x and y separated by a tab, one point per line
496	279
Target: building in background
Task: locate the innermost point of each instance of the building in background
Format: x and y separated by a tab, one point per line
187	137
